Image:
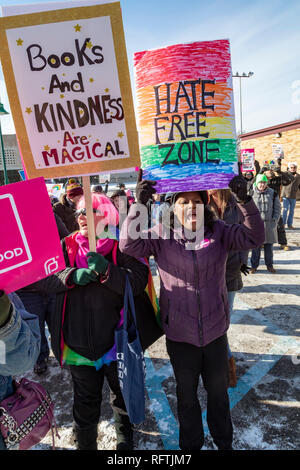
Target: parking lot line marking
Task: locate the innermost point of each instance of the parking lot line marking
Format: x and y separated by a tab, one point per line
154	377
165	419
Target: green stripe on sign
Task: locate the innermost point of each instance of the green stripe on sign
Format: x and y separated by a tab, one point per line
189	152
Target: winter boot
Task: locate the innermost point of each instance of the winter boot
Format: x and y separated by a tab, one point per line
124	432
232	373
85	438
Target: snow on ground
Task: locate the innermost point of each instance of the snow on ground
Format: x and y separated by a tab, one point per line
264	338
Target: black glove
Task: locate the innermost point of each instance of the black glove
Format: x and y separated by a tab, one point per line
257	166
245	269
144	189
238	186
264	168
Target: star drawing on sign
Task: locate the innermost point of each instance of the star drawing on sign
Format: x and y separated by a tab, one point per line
77	27
19	42
89	45
47	148
62	96
106	90
120	134
28	110
91	80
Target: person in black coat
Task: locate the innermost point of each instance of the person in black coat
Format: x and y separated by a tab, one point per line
277	179
89	299
66	207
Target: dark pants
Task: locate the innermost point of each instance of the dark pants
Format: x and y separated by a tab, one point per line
43	306
281	232
268	252
211	362
87	385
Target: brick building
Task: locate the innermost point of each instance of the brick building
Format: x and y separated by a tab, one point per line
287	135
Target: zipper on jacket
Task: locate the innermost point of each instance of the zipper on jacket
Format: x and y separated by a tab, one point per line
198	296
91	342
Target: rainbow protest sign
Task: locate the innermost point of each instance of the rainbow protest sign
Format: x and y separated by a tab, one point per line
186	116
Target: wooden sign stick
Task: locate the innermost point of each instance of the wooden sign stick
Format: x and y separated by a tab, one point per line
89	212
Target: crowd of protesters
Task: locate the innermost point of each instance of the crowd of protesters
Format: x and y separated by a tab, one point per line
81	305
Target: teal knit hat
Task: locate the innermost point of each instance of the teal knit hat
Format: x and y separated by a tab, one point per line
261	178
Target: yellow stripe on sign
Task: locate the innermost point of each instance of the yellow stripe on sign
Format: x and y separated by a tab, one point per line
163	131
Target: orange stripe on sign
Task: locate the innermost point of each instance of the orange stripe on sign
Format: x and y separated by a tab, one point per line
166	101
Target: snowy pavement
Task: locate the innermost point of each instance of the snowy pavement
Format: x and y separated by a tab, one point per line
264	337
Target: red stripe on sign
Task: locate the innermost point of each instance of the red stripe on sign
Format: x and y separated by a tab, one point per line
207	60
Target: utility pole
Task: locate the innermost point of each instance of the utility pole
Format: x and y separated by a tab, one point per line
243	75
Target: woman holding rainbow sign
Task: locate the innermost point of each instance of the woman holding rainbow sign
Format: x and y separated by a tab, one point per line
193	300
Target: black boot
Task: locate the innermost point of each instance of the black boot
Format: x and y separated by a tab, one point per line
124	432
85	438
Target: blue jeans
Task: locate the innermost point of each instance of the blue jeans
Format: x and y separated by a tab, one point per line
41	305
231	296
268	250
288	206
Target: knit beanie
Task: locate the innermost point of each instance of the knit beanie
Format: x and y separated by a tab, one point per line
203	194
73	189
261	178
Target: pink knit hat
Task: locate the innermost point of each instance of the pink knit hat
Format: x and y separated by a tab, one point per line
104	207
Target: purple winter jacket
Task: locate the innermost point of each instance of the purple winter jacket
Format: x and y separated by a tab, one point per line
193	295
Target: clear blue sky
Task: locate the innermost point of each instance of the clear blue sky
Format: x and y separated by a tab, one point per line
264	36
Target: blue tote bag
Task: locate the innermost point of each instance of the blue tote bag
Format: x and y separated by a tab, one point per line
130	359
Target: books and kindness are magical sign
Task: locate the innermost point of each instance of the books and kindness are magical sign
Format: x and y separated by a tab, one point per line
68	83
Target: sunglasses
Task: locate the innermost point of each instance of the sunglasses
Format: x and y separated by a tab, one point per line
83	212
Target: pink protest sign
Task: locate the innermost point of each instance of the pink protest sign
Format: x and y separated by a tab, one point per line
30	247
247	160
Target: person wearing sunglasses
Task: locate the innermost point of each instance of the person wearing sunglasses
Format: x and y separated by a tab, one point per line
87	313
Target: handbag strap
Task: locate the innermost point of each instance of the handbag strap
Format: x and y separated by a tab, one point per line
52	422
128	297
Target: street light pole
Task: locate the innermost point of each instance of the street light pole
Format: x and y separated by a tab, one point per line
3	113
244	75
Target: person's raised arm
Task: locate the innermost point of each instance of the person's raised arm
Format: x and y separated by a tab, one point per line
135	238
250	233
